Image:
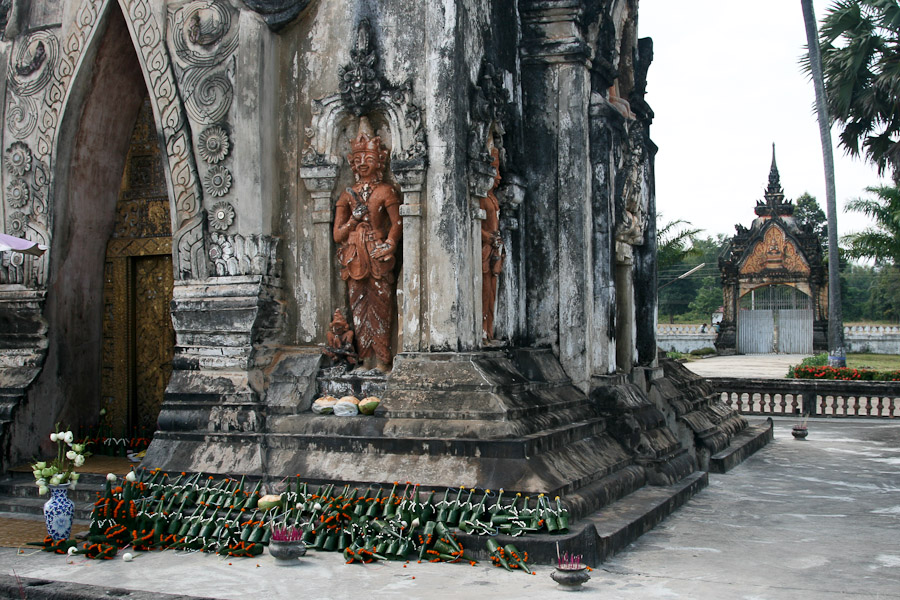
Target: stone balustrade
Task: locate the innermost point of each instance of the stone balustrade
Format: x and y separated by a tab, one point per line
824	398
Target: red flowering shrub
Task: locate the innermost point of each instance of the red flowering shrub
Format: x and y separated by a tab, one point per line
843	373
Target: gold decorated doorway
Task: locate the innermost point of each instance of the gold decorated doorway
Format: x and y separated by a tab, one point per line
138	337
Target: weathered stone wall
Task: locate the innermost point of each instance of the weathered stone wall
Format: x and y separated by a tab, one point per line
251	103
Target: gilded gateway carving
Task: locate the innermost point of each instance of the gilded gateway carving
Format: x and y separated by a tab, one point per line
774	251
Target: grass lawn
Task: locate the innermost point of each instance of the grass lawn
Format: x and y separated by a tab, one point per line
879	362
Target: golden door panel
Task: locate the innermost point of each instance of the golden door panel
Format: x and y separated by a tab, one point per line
138	338
154	337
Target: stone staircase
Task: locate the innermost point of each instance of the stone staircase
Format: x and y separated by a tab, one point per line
19	495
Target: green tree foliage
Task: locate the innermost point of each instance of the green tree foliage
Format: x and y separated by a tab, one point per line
707	301
676	296
857	283
884	299
808	212
881	242
673	243
860	44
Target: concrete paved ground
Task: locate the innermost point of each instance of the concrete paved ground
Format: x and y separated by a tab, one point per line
750	366
799	520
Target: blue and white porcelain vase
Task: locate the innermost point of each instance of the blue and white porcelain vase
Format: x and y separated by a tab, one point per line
58	512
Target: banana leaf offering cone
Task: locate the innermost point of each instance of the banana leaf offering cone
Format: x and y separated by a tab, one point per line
497	554
562	517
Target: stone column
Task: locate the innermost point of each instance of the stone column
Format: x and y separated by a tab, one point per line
625	313
646	300
605	122
446	263
410	176
319	182
556	86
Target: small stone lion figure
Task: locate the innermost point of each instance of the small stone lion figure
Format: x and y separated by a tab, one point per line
339	346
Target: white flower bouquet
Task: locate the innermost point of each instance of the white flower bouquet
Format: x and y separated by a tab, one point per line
61	470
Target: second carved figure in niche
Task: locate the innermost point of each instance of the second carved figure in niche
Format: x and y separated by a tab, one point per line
491	252
368	228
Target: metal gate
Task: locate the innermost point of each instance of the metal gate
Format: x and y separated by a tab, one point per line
775	318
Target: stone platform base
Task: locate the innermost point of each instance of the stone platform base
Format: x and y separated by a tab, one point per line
743	445
601	534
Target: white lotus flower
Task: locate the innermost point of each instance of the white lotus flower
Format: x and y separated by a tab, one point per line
53	437
69	437
71	454
111	477
317	506
79	460
40	465
130	477
48	471
37	474
79	448
55	480
41	482
74	476
43	490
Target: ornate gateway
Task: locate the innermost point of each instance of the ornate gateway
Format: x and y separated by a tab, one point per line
774	283
138	337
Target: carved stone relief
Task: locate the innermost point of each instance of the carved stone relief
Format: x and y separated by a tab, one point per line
189	248
631	223
39	75
244	255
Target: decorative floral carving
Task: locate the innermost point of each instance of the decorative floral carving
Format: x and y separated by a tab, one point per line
359	84
15	224
18	158
222	216
17	193
214	144
217	181
21	116
239	255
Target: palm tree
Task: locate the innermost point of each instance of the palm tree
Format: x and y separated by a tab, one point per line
882	242
860	48
836	355
672	243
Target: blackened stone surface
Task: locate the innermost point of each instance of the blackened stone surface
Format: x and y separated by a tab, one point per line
277	13
694	411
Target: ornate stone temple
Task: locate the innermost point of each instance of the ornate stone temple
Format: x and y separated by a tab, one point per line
774	282
229	187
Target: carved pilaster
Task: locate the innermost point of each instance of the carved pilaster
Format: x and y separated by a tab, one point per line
411	177
552	31
319	182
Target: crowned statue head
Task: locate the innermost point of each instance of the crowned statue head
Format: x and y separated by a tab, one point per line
368	155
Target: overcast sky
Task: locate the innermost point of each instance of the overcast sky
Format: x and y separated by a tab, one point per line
725	84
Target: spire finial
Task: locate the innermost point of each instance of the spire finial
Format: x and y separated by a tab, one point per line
774	193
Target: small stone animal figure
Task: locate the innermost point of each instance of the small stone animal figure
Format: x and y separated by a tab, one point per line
339	338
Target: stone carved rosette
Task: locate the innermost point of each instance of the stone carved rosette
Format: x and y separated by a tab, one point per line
202	38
